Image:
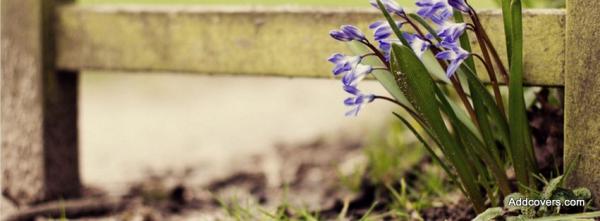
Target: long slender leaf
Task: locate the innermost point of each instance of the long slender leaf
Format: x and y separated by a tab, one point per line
426	25
490	153
429	149
520	138
501	128
476	147
508	27
434	67
422	88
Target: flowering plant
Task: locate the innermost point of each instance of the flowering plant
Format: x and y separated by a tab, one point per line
423	60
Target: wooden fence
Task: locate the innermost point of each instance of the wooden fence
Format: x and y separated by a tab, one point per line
46	43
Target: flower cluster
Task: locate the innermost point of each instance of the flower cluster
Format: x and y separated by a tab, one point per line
352	72
439	11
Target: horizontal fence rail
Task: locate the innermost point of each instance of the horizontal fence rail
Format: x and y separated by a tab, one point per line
289	42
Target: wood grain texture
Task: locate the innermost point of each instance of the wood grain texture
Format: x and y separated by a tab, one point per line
39	108
582	94
289	42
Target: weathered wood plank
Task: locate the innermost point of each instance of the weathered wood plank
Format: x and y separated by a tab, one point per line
582	94
39	108
290	42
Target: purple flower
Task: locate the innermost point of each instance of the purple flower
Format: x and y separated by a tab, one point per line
382	33
351	89
417	43
450	32
357	74
339	35
376	24
439	11
343	63
347	33
391	6
353	32
460	5
383	29
456	55
386	46
357	102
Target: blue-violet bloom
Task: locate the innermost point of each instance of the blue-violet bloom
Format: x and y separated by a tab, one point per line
391	6
383	29
339	35
357	74
343	63
439	11
386	47
358	101
347	33
456	55
417	43
450	32
460	5
353	32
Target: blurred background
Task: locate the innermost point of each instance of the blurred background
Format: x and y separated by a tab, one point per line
131	123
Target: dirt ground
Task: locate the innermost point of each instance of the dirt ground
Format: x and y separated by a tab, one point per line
303	175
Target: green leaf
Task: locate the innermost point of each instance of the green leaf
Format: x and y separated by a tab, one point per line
387	79
521	144
434	67
424	23
489	153
498	119
434	155
414	76
508	27
489	214
439	74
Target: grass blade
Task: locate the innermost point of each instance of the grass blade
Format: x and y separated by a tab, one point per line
435	157
508	27
522	150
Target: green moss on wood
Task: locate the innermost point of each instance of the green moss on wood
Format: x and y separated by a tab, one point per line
289	42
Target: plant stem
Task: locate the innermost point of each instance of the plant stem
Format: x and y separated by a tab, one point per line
486	38
377	53
497	94
459	90
410	111
463	96
488	63
417	29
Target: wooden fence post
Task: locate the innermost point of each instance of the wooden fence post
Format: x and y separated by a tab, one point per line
582	98
39	107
